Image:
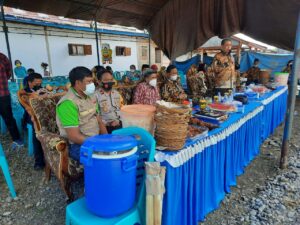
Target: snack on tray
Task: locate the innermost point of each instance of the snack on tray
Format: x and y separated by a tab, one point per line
259	89
194	131
222	107
201	123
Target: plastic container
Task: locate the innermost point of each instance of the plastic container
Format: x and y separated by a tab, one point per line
109	173
138	116
281	78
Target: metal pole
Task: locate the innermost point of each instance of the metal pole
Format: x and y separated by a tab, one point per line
97	43
5	29
291	101
149	49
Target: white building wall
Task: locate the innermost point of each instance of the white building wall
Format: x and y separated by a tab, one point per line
29	48
121	63
62	62
28	44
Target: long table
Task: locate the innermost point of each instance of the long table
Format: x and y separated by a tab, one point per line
199	176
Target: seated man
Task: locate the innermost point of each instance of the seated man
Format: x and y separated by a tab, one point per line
171	90
34	82
77	112
109	101
253	73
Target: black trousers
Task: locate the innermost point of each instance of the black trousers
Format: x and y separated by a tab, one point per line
38	150
110	129
7	115
37	147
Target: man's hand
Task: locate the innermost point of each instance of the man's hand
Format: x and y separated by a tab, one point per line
74	135
182	96
115	123
102	127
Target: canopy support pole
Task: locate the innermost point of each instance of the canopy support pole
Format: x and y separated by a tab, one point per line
149	39
291	101
97	43
5	29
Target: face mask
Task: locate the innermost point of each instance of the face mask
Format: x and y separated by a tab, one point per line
255	65
132	70
37	87
108	86
18	64
89	89
153	82
174	77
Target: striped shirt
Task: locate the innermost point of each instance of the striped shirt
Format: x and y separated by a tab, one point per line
5	73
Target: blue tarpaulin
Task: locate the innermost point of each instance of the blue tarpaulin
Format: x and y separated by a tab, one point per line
208	60
275	63
185	65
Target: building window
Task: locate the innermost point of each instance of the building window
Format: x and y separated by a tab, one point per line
123	51
75	49
144	52
157	55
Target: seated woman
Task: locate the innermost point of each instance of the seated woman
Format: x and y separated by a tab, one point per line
147	92
109	101
196	82
171	90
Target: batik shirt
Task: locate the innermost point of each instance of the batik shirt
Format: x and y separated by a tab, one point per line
224	71
196	83
171	91
253	74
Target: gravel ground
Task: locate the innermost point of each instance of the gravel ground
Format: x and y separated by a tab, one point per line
37	202
264	194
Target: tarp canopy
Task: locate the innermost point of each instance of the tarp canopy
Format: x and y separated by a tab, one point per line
179	26
275	63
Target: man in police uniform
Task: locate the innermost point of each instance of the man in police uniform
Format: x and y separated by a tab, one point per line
223	69
109	100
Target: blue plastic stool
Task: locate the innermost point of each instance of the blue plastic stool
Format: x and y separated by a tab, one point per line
3	129
78	214
29	139
5	170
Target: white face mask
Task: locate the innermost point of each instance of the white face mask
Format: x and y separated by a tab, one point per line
132	70
174	77
153	82
89	89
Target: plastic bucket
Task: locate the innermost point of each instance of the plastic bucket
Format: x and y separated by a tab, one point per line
138	116
281	78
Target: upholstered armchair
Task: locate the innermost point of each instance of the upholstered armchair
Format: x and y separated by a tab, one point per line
42	110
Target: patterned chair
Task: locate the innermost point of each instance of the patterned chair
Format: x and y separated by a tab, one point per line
54	146
126	91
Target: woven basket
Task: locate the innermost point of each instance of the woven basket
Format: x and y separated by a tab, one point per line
171	126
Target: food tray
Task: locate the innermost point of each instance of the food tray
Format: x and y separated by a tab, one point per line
199	136
216	118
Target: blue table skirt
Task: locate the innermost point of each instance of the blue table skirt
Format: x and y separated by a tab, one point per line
198	186
273	115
